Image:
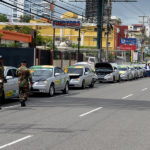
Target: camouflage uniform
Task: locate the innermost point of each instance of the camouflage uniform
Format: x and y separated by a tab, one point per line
24	77
2	80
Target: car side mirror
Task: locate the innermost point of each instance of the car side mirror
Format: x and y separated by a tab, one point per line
57	74
9	77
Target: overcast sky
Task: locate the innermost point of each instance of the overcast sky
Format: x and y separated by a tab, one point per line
130	11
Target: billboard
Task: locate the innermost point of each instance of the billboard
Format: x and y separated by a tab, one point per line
128	47
128	41
66	24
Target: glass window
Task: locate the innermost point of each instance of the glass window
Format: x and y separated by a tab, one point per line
14	72
9	73
87	70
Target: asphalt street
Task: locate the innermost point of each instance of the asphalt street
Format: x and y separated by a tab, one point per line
107	117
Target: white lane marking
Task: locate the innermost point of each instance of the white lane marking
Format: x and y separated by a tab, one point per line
11	106
87	113
144	89
17	141
127	96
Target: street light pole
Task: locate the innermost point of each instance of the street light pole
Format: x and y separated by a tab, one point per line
53	39
100	4
79	39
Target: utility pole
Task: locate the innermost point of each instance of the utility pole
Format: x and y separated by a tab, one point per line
100	4
108	29
143	33
79	39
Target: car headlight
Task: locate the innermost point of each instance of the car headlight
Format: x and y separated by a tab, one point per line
42	83
108	75
124	74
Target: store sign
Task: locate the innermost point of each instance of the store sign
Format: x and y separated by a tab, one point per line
127	47
66	24
128	41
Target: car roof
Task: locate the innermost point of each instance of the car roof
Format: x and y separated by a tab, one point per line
7	67
42	66
122	66
76	67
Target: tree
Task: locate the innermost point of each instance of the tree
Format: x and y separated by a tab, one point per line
26	18
119	21
20	29
3	18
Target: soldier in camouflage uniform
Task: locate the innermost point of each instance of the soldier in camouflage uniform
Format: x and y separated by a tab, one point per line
24	77
2	80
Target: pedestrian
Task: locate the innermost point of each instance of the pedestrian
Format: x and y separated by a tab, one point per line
24	78
2	80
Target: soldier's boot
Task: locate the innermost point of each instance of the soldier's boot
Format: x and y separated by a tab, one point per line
23	104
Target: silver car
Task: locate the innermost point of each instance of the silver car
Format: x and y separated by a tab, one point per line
11	89
107	72
134	72
49	79
140	71
81	76
125	73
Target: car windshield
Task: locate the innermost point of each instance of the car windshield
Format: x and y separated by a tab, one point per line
42	72
75	71
103	69
92	60
132	68
123	69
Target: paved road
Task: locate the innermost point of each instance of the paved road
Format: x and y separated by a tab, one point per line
107	117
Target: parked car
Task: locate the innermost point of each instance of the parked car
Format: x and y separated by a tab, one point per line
125	73
85	64
106	72
140	71
81	76
49	79
134	72
11	89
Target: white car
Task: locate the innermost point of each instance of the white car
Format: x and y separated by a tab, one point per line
125	73
107	73
81	76
11	89
49	79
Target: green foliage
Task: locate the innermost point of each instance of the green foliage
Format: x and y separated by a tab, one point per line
119	21
20	29
11	45
1	35
111	57
3	18
26	18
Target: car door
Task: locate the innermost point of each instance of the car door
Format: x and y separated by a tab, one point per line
62	78
58	77
15	78
9	86
88	76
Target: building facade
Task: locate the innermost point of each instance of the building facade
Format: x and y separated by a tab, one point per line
39	7
15	12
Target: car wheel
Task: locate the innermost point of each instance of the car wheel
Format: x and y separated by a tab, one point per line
114	80
92	83
118	79
66	90
83	84
51	90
